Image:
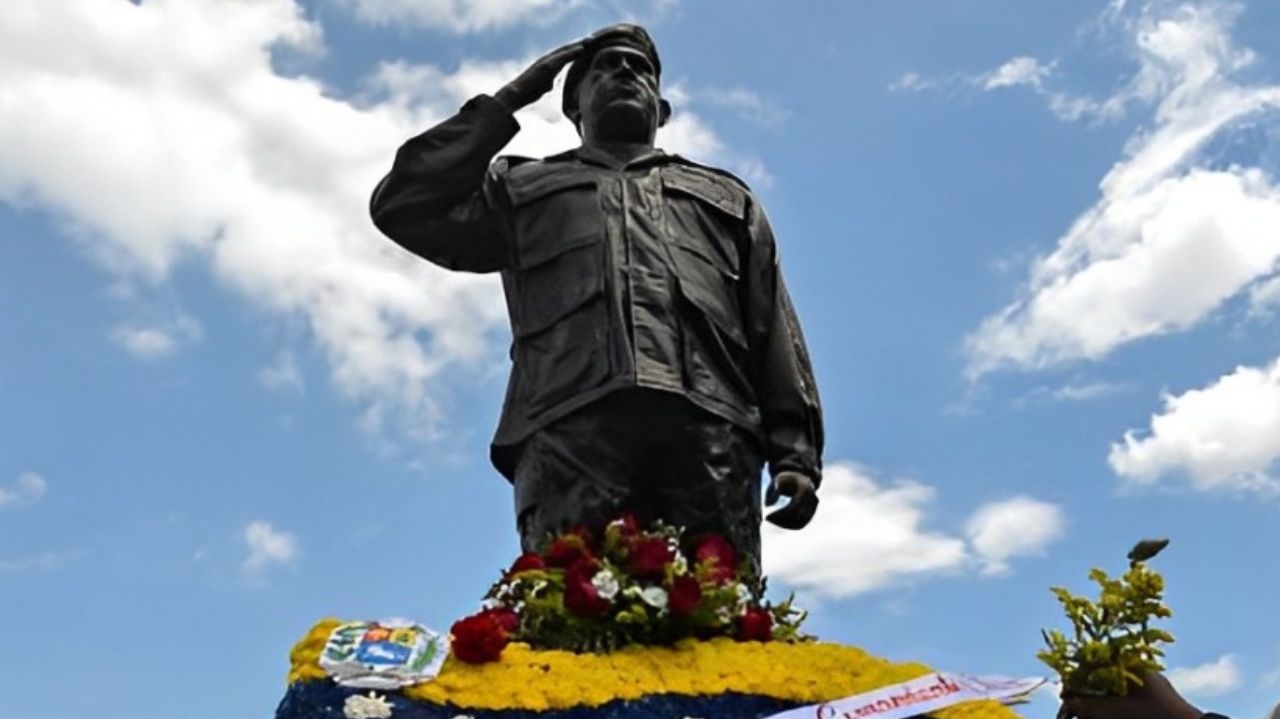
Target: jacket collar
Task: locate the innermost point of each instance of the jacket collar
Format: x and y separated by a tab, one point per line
592	156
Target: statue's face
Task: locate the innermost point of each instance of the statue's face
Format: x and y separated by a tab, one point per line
618	95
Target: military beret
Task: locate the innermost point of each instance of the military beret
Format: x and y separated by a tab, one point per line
632	36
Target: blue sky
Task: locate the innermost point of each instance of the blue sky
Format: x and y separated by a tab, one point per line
1034	247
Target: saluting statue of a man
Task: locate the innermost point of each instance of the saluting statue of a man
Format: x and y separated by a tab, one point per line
657	360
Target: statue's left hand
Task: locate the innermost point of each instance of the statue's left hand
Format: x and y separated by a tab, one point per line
803	500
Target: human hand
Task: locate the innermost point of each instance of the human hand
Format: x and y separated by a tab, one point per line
802	504
538	78
1155	699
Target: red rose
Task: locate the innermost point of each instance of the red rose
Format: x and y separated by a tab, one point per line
627	525
566	550
684	595
755	625
619	535
525	562
650	557
716	558
580	595
507	619
478	638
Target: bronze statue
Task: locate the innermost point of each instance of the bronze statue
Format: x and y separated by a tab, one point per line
657	360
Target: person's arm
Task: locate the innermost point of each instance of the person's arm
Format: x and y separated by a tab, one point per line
438	201
783	378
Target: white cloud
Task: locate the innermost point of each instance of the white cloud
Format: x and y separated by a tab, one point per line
1075	107
469	16
1171	238
1271	679
753	172
1086	392
1071	392
747	104
28	487
1010	528
267	546
461	15
1264	298
1208	680
1224	436
43	562
144	342
157	341
163	136
1019	71
282	375
912	81
686	134
1022	70
864	537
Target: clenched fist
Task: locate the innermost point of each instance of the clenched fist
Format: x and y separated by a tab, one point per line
803	500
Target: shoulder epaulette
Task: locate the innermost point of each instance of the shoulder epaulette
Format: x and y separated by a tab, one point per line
504	163
562	156
709	170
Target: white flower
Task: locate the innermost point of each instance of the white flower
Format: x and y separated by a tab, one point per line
744	594
655	597
606	584
490	603
680	565
366	707
724	615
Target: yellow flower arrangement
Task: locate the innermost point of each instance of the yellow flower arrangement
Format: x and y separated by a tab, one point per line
524	678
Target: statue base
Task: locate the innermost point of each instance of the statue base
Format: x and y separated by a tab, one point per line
717	678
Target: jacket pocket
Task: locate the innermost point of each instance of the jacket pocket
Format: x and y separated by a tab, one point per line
558	284
554	213
705	217
716	353
561	335
705	286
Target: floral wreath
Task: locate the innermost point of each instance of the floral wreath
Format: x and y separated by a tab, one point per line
633	586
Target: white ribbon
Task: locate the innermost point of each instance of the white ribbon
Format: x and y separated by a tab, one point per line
919	696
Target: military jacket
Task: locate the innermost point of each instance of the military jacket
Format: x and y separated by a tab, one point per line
660	273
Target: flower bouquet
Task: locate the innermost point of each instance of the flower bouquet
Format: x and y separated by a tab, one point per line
1113	643
629	586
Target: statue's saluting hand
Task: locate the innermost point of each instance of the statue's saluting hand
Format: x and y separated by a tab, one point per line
537	80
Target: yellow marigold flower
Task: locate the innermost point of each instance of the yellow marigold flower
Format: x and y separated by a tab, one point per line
524	678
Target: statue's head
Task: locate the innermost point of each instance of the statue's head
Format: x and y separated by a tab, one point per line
611	93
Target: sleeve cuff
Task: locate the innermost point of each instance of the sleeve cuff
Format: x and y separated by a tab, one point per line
812	473
490	110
